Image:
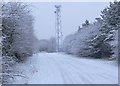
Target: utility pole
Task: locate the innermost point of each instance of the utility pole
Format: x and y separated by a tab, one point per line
58	28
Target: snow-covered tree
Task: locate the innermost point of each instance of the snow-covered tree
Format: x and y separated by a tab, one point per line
17	30
47	45
79	43
17	34
111	24
86	23
43	45
68	43
52	45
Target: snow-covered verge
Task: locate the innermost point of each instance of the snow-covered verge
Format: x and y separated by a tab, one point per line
59	68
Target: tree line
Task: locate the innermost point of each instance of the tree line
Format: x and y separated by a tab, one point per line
18	40
98	39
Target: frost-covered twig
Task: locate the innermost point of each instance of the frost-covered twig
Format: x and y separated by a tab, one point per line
20	75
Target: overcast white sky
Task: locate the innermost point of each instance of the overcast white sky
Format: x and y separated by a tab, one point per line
73	15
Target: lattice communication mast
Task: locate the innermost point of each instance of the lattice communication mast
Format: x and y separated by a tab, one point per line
58	27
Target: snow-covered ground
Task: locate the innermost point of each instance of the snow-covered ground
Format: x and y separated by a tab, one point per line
58	68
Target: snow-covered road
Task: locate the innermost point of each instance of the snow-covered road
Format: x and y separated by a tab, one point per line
57	68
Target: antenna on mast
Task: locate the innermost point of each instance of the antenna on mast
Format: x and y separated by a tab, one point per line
58	27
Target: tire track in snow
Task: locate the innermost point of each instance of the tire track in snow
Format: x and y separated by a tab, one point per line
56	68
94	65
64	74
79	80
105	75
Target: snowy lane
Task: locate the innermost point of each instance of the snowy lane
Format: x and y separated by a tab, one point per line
47	71
84	71
57	68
